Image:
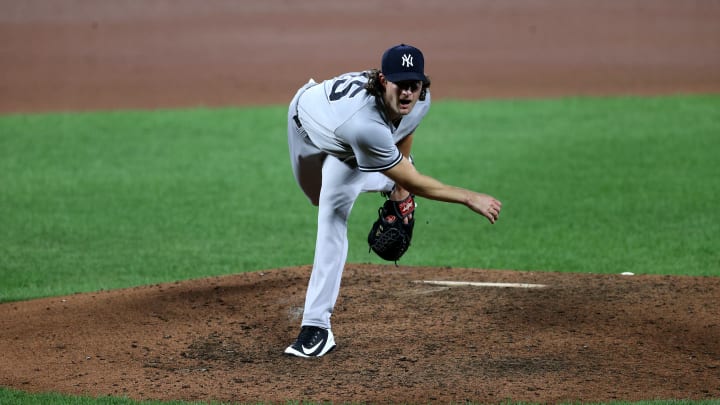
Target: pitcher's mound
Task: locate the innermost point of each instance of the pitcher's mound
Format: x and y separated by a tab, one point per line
486	339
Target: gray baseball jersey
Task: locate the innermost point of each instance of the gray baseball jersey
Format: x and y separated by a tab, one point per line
340	149
345	121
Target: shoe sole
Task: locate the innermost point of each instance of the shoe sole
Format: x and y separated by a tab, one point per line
329	346
292	352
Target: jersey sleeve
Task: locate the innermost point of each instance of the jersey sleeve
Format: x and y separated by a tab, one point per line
372	144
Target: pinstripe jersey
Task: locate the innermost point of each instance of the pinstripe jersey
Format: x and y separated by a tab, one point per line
344	120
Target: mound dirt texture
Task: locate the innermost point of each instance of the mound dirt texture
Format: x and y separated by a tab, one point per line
579	337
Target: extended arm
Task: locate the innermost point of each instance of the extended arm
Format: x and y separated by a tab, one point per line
419	184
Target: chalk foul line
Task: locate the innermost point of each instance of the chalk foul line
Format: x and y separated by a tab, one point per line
480	284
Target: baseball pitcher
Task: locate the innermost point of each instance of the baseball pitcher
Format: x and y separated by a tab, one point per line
352	134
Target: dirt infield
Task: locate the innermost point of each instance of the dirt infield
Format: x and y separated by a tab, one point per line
582	337
88	54
579	338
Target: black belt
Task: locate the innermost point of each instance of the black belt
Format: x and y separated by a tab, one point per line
297	121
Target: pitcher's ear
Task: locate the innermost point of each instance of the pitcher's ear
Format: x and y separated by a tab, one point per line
382	79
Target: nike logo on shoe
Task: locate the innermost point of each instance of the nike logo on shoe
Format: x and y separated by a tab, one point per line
308	336
312	350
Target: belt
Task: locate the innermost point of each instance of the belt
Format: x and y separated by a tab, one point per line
297	120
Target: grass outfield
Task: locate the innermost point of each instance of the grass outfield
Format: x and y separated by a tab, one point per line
117	199
18	397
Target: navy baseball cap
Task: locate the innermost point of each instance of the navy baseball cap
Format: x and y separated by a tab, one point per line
403	62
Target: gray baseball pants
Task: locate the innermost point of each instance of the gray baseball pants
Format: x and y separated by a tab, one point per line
333	186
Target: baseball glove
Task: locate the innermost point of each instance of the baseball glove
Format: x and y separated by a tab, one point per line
391	233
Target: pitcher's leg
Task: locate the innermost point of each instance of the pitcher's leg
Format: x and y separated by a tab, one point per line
306	159
341	187
376	181
307	162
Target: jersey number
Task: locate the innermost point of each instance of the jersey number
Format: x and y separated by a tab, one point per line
337	93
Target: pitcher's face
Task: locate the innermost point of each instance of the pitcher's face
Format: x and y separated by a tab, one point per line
400	97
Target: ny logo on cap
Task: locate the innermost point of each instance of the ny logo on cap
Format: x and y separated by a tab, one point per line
407	60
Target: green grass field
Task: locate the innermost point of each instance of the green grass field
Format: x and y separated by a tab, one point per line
110	200
18	397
